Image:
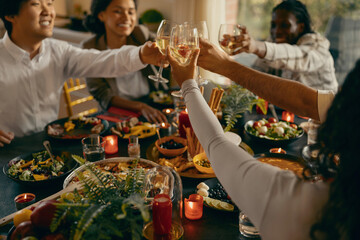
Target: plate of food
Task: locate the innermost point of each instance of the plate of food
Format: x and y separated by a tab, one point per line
161	97
284	161
215	195
38	168
76	128
272	132
133	126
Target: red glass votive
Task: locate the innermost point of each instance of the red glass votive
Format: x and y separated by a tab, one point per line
277	150
111	144
162	213
287	116
23	200
194	207
184	121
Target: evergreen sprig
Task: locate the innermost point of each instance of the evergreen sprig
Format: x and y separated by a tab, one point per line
237	100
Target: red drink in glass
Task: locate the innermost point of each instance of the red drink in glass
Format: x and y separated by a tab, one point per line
162	213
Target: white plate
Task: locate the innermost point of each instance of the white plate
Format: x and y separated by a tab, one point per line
233	137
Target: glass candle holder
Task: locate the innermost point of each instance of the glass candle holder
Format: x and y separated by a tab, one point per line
277	150
287	116
165	129
194	207
23	200
162	213
111	144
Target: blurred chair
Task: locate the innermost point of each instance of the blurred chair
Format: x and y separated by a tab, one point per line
69	94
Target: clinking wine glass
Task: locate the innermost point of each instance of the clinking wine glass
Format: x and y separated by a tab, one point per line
227	35
204	34
184	40
162	41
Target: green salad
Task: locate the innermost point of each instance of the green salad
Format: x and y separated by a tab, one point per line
274	130
39	167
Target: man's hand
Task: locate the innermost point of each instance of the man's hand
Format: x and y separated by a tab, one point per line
152	115
5	138
150	54
182	73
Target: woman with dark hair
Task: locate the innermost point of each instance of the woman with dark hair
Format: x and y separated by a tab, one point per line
114	23
296	51
280	204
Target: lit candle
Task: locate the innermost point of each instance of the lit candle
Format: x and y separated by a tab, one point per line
23	200
193	207
165	129
184	121
162	214
277	150
287	116
111	144
168	111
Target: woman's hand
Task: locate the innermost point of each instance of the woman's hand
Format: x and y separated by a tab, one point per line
150	54
211	57
152	115
182	73
6	138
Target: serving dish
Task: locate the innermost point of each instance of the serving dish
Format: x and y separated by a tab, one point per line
197	162
70	165
279	141
168	152
74	134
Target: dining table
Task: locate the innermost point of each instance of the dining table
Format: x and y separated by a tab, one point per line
214	224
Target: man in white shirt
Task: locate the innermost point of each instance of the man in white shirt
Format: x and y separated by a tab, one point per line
33	68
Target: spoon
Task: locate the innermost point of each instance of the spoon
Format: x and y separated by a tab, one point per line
48	149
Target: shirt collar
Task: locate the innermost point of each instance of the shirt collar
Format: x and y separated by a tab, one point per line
18	53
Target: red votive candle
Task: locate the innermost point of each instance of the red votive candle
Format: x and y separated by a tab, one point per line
194	207
184	121
287	116
111	144
23	200
162	213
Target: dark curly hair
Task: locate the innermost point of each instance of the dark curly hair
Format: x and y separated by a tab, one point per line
339	136
10	8
299	10
92	22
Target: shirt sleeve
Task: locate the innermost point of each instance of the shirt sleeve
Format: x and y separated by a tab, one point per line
308	55
253	186
101	90
107	63
325	99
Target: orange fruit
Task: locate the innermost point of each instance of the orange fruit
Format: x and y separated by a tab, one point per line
22	216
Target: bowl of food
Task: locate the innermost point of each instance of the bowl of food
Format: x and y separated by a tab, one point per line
272	132
171	146
202	163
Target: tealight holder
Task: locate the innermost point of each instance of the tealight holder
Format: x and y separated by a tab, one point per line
287	116
23	200
277	150
111	144
194	207
165	129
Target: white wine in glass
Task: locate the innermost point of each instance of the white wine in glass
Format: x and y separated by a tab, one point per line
184	40
226	34
162	41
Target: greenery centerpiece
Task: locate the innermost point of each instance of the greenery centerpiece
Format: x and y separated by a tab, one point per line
237	100
106	208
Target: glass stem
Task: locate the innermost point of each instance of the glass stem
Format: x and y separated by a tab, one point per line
161	68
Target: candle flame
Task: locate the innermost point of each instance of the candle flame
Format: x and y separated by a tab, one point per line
279	150
186	110
111	141
163	124
167	110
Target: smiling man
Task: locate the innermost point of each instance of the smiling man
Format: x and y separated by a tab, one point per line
296	51
33	67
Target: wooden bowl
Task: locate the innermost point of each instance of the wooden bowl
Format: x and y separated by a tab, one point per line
200	168
171	152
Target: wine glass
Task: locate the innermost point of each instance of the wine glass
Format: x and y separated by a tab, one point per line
184	40
203	33
227	33
162	41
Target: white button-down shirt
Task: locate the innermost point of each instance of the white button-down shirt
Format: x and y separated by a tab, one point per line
30	88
